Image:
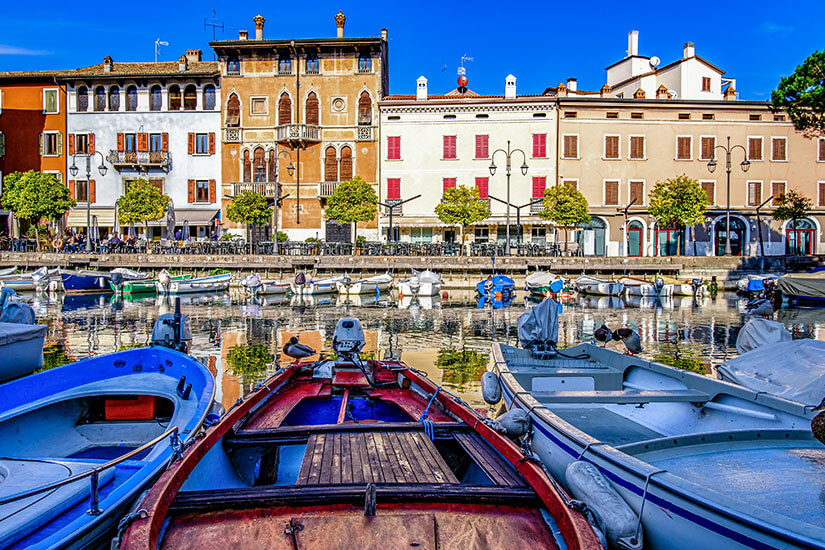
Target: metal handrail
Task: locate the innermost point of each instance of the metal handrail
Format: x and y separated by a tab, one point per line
94	473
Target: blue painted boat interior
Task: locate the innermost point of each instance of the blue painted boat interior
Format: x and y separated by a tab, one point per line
324	410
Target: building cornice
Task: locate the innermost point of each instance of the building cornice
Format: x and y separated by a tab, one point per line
465	106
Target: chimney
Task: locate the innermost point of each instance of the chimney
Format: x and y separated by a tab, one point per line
572	84
561	90
662	93
108	64
384	35
243	35
730	94
340	19
183	63
639	94
605	91
510	87
632	43
689	50
421	89
259	27
193	56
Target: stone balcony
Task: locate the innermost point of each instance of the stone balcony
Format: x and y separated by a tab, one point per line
267	189
140	160
297	132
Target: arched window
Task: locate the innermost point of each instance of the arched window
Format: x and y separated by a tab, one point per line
737	236
330	165
635	232
364	109
284	109
82	99
209	98
174	97
190	98
800	237
131	98
273	166
100	98
114	98
346	164
155	99
312	109
259	167
247	167
233	111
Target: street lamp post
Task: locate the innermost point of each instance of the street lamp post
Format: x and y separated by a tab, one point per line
290	169
507	169
73	170
745	165
518	212
391	207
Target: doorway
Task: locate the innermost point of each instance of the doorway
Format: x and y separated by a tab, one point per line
634	238
800	237
737	236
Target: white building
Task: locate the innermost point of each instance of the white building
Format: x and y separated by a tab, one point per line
157	121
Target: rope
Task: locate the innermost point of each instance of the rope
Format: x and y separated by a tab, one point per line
429	430
644	499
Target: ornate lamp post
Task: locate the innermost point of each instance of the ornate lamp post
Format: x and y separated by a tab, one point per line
290	169
745	165
73	170
507	170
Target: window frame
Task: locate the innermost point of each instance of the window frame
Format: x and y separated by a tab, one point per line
445	148
214	90
784	189
233	66
389	149
486	146
444	187
563	147
198	191
618	182
533	187
618	150
758	200
253	99
629	187
56	153
133	137
364	64
137	98
77	186
713	202
574	181
486	179
820	186
533	142
761	148
630	147
159	88
712	151
56	101
690	148
77	148
317	63
773	150
388	189
707	80
198	136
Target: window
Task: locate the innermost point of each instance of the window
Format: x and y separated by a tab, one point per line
538	235
684	148
394	148
754	193
708	116
482	146
637	193
259	165
155	99
705	83
330	165
821	193
312	109
709	187
130	143
364	109
708	144
394	188
81	144
273	162
100	98
346	163
312	64
448	183
364	64
539	185
637	115
483	186
611	147
285	65
779	149
449	147
572	183
539	146
157	182
247	167
637	147
81	188
485	115
233	111
684	116
777	188
82	99
202	191
201	144
570	147
535	115
257	106
233	66
779	118
612	115
481	234
51	144
755	117
114	98
155	143
209	98
570	114
611	193
754	148
284	109
190	98
821	153
174	97
131	98
50	105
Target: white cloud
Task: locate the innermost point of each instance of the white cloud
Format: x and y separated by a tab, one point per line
14	50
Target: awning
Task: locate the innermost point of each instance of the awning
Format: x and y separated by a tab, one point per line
77	216
435	222
194	217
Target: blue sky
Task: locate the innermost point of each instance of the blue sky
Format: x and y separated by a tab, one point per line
542	43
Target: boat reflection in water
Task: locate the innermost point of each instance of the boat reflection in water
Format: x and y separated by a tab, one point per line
419	302
600	302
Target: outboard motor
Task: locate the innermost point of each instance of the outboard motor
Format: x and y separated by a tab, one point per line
348	339
659	284
173	331
300	281
698	287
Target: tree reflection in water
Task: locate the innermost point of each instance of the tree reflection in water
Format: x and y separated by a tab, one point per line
461	366
249	362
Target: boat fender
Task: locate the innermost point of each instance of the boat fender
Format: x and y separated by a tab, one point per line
490	388
588	484
513	424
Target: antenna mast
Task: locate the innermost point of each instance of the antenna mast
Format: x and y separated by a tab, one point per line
158	43
213	22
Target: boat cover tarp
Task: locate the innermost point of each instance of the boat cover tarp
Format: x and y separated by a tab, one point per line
251	281
130	274
811	285
539	279
794	370
540	324
760	332
428	276
16	332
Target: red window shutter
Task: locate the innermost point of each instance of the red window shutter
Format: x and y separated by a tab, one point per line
71	189
482	146
212	192
483	186
71	144
211	143
191	191
539	145
448	183
191	139
120	145
164	142
539	185
92	192
394	147
449	147
91	144
393	188
143	142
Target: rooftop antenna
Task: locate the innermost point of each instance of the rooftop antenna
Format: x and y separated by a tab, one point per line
213	22
158	43
461	70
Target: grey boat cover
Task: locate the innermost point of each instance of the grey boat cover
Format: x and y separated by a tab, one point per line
794	370
428	276
11	333
803	284
251	281
539	279
539	325
130	275
760	332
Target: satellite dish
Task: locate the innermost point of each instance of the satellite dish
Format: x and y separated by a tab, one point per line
673	94
654	61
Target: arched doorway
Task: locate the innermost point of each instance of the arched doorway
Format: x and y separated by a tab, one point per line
800	237
635	232
737	236
669	240
591	238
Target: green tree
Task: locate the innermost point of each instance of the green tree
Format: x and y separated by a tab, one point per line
566	207
793	206
802	96
249	208
678	201
352	201
462	206
33	196
141	203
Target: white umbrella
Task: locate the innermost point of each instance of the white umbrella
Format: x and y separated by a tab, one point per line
185	233
95	230
170	221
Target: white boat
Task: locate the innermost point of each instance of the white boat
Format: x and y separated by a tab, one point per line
419	303
593	285
328	285
255	286
541	283
215	283
422	283
23	282
640	287
375	284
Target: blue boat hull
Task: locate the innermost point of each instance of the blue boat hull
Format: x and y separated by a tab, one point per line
499	284
85	283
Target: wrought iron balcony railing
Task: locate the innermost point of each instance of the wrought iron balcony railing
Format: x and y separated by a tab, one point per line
139	159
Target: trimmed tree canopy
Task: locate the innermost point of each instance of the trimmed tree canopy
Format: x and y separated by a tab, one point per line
142	202
33	195
461	206
250	208
802	95
678	201
792	205
352	201
565	206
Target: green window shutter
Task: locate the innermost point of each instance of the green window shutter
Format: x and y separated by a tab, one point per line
2	145
42	144
59	144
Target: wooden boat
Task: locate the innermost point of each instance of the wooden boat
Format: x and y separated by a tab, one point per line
254	285
328	285
593	285
354	453
81	441
215	283
371	285
421	283
85	280
542	283
500	287
640	287
148	286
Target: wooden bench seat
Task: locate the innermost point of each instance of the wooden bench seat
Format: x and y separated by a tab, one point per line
493	464
623	397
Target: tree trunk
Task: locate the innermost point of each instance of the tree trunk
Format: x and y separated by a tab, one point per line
566	240
354	237
461	252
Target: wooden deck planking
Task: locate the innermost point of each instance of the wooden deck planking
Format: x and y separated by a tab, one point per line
495	467
306	465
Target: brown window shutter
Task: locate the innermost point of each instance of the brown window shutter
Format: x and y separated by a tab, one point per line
777	188
707	148
683	148
346	164
91	144
636	192
778	149
120	145
70	143
755	149
821	149
611	192
164	142
212	193
191	140
191	190
637	146
211	143
92	192
821	193
571	144
71	189
284	109
330	165
143	142
708	188
312	109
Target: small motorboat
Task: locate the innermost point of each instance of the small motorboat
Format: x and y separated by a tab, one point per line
694	287
593	285
85	280
543	283
8	271
215	283
355	453
371	285
328	285
148	286
641	287
499	287
26	282
80	442
421	283
21	338
803	288
754	283
253	285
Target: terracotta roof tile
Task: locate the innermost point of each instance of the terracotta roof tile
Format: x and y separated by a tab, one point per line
144	69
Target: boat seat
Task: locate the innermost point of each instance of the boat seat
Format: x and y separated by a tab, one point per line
623	397
493	464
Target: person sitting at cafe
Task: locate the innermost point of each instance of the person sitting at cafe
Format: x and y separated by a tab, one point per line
113	243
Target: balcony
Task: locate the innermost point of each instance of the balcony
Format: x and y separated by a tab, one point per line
298	132
396	207
327	188
267	189
364	133
232	135
536	208
142	160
